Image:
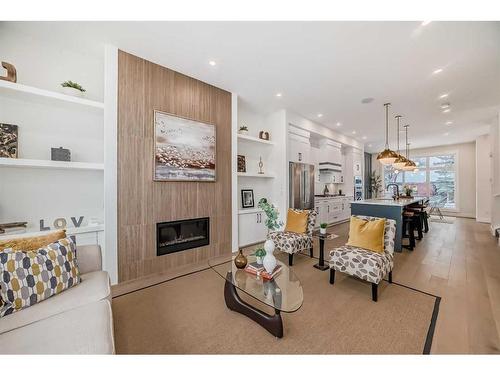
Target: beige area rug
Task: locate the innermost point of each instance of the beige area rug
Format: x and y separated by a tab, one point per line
188	315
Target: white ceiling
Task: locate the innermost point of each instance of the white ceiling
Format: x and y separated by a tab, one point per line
327	67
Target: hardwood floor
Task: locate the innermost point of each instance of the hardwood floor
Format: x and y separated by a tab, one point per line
460	262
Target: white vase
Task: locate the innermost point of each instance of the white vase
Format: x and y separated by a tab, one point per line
259	260
244	132
322	230
269	260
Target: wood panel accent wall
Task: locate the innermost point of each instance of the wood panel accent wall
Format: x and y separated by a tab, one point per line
142	88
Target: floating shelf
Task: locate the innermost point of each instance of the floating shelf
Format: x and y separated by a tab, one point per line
254	139
17	90
243	211
49	164
243	174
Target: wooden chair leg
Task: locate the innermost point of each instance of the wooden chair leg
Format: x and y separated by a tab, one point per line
374	292
332	276
311	251
290	260
390	277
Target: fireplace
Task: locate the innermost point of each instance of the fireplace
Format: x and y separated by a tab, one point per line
173	236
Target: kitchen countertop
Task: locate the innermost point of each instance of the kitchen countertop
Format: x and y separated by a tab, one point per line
401	202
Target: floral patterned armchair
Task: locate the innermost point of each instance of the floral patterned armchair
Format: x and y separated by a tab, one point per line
364	264
291	242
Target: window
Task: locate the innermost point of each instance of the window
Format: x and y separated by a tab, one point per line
435	178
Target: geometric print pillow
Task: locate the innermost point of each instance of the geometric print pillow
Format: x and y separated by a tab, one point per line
28	277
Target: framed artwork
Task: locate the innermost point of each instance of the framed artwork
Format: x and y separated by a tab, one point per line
247	198
242	167
185	150
8	141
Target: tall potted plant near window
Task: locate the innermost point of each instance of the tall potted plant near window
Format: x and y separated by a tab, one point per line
271	223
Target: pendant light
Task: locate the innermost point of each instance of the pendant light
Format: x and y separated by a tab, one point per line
410	165
387	157
400	162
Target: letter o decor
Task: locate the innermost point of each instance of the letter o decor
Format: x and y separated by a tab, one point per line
60	223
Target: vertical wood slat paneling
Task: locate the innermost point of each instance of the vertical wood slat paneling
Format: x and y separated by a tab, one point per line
142	88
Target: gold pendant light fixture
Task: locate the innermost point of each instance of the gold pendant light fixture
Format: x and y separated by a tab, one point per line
400	162
410	165
387	157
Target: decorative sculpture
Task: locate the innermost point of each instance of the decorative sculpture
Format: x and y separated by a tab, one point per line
11	72
261	164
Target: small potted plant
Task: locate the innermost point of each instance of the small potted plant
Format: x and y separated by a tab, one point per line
259	255
408	190
72	88
322	228
243	129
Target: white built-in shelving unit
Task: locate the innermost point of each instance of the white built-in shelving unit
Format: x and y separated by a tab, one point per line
39	188
255	175
248	138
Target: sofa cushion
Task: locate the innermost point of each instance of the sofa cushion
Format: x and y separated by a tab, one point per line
367	234
94	286
85	330
365	264
29	277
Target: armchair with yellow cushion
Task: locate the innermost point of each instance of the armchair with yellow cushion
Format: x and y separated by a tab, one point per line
369	253
297	235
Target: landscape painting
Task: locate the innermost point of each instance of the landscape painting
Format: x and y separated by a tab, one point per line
184	149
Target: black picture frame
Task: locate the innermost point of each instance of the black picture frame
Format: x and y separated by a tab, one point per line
247	198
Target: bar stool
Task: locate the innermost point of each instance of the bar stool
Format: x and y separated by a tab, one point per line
419	219
422	209
409	229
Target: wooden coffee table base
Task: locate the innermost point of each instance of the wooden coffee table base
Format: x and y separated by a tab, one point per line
272	323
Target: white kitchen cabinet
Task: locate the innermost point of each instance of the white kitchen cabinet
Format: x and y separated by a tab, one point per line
251	228
346	208
299	149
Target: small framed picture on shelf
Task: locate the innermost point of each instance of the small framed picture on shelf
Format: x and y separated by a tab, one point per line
242	167
247	200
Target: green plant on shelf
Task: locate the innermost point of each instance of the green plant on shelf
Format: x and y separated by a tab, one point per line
323	225
244	127
73	85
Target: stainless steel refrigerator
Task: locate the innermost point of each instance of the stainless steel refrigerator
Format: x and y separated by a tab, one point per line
301	186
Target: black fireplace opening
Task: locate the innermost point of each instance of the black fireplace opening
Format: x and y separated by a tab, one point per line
174	236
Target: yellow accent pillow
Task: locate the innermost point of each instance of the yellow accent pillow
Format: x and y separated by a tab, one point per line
32	243
368	235
296	221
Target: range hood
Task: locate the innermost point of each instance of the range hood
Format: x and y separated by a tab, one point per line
330	167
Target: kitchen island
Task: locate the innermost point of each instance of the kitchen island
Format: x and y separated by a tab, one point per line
387	208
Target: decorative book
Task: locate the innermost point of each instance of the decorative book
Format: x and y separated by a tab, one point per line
262	272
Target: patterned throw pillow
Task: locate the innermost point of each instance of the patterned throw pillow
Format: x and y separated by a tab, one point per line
28	277
31	242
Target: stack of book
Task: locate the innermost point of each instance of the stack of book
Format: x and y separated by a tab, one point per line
258	269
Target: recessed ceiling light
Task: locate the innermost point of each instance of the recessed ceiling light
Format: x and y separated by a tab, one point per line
212	63
449	122
339	124
425	23
320	115
364	137
446	110
437	71
445	105
446	134
444	96
279	95
354	132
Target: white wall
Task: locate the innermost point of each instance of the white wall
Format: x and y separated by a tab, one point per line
495	166
31	195
483	179
466	166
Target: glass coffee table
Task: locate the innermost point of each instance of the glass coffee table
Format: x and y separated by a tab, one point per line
283	293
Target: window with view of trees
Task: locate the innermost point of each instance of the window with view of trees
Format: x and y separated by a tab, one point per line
435	178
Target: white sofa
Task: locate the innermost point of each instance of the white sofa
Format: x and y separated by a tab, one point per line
76	321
